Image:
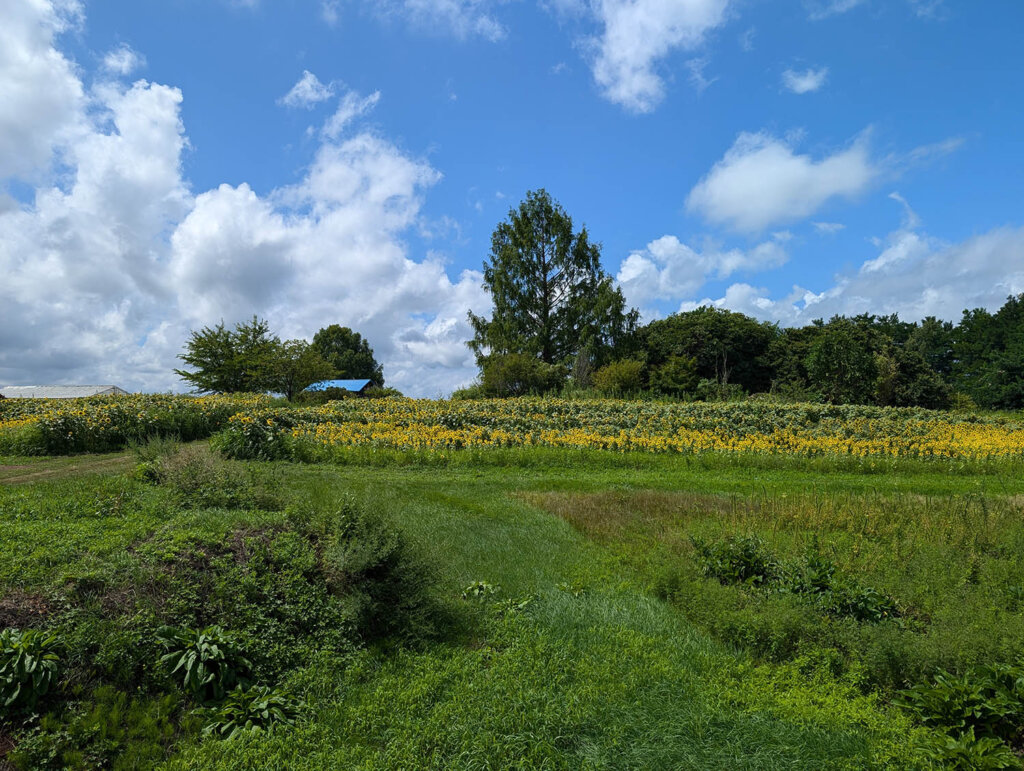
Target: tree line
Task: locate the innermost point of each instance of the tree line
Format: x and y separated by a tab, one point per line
251	359
559	323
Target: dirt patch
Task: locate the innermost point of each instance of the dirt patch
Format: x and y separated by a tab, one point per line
20	609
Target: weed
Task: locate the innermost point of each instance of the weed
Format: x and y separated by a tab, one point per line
28	667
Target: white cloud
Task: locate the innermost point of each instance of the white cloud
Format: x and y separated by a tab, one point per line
761	181
329	12
462	18
698	79
828	228
123	60
639	33
350	107
667	268
42	97
822	9
106	272
806	81
913	274
307	92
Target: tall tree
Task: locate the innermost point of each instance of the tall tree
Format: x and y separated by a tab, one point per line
551	298
296	365
231	361
349	353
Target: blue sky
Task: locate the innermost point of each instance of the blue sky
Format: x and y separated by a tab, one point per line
168	165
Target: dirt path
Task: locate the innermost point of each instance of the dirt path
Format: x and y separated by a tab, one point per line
58	468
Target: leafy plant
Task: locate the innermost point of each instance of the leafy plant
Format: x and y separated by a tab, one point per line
966	753
251	709
208	660
28	667
737	560
479	590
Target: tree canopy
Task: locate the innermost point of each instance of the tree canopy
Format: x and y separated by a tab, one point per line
552	300
250	358
348	353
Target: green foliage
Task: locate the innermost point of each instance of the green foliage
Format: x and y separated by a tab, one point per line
350	356
619	378
28	668
242	360
965	753
841	365
200	479
737	560
479	590
370	563
208	662
519	374
107	729
552	300
296	365
249	710
677	376
985	703
725	347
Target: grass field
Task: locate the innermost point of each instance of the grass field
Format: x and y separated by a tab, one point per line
542	608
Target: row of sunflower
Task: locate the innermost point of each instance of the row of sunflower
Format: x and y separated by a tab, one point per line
104	423
789	429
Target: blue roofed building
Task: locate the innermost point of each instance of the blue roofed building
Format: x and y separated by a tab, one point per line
353	386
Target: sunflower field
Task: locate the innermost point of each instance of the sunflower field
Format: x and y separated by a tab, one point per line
806	430
106	423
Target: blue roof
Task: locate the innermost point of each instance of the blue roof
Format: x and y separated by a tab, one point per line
355	386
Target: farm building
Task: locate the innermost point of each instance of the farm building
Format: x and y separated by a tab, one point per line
60	391
354	386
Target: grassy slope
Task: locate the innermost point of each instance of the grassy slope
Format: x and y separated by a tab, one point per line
594	674
609	678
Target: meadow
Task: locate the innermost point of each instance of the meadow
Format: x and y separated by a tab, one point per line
533	583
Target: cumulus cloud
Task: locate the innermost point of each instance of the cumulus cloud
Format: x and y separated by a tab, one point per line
42	97
913	274
637	34
667	268
762	181
307	92
806	81
116	259
123	60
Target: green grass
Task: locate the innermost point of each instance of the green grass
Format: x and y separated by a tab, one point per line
592	672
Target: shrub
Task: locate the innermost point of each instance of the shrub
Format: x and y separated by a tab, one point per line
249	710
209	661
200	479
28	667
966	753
370	563
619	378
985	703
737	560
519	374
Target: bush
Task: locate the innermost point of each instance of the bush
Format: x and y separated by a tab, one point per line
372	565
620	378
209	661
737	560
250	710
28	667
519	374
200	479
